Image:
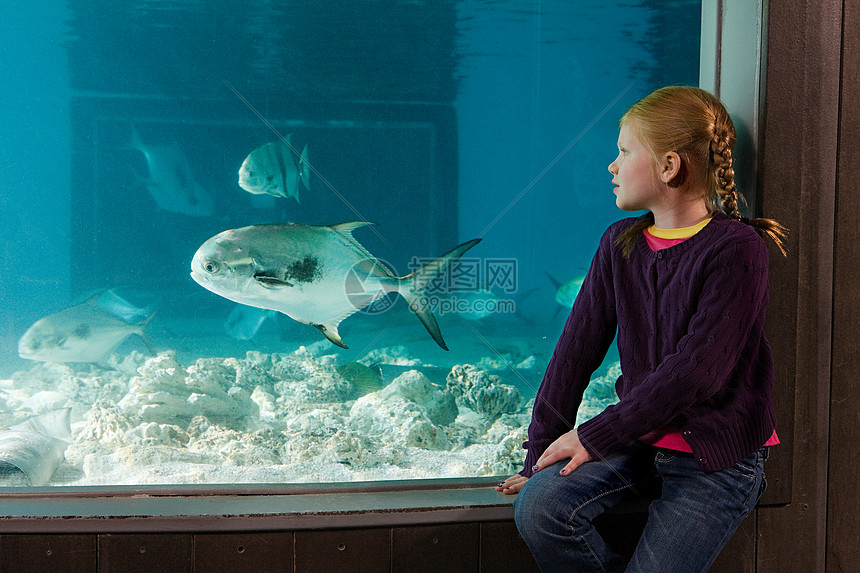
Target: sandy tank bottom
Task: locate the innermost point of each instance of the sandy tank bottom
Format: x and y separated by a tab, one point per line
280	418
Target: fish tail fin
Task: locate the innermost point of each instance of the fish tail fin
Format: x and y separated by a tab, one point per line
415	284
145	324
557	283
305	169
144	333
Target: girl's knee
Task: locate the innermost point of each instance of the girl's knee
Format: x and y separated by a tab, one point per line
546	499
525	505
532	518
533	505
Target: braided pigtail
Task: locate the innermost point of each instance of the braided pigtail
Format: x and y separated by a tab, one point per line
724	180
772	229
724	174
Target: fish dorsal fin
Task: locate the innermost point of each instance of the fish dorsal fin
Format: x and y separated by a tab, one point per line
348	228
90	297
115	305
136	141
345	230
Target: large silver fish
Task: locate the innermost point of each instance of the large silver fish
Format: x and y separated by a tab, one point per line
171	180
274	169
86	332
30	452
318	275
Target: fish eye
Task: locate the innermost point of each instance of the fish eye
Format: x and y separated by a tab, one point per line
211	267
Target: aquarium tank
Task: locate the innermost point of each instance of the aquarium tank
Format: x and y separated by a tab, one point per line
285	241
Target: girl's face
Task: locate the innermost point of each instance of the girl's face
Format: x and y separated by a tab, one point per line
633	172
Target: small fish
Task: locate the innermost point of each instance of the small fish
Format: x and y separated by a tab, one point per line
274	169
366	378
30	452
171	181
477	304
317	275
245	321
86	332
566	293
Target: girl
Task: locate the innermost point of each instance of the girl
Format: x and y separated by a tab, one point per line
685	286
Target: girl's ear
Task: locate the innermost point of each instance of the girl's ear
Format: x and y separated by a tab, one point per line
670	168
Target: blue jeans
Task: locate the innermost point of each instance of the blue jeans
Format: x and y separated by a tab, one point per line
688	525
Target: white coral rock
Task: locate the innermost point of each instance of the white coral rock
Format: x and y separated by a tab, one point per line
401	413
164	391
482	392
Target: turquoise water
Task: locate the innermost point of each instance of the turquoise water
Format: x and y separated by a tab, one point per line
438	121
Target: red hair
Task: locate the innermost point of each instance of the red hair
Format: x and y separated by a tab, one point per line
696	125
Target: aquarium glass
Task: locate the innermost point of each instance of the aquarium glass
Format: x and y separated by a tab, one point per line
134	131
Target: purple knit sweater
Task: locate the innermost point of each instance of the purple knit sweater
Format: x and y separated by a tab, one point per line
690	323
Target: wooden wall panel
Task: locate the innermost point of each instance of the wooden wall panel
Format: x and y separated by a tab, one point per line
798	178
42	553
843	500
453	548
738	556
503	550
251	552
145	553
343	551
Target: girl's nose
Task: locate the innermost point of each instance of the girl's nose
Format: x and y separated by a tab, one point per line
612	168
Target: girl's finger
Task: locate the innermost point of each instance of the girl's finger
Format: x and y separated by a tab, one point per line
574	463
547	459
514	487
515	480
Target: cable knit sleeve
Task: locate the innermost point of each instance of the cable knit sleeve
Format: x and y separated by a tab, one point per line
720	322
587	335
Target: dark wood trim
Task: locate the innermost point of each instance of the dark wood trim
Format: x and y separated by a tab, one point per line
843	486
798	181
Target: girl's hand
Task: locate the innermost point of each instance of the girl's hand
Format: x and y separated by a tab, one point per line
567	446
512	485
